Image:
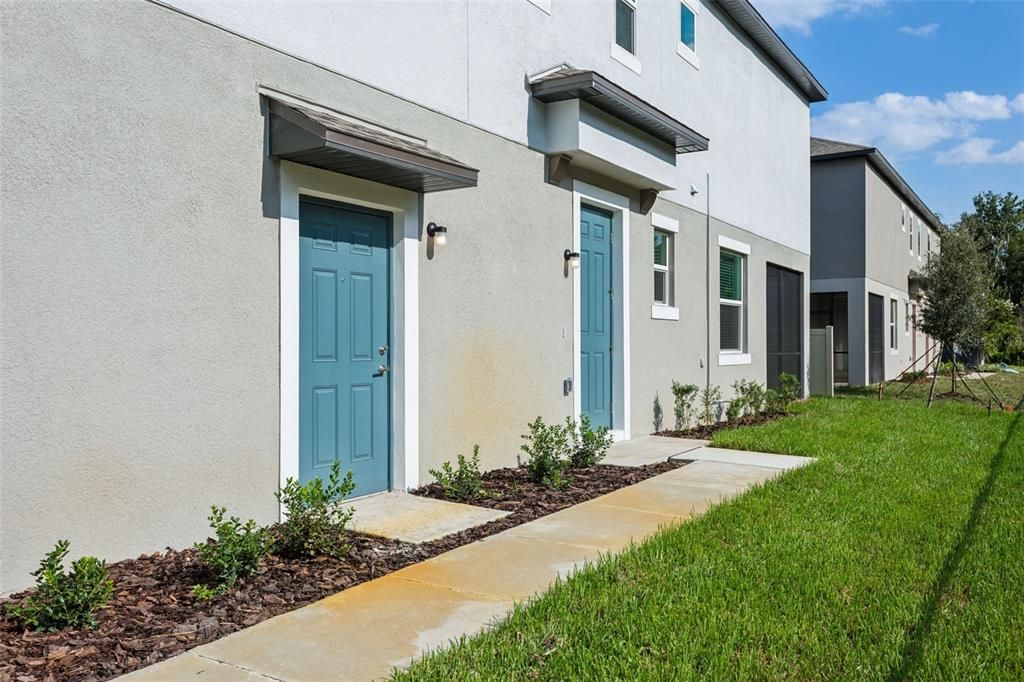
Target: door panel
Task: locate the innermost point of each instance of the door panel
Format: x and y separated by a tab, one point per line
876	339
345	403
784	324
596	316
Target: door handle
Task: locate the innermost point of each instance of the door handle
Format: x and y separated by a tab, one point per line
382	370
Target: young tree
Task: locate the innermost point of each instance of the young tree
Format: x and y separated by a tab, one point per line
957	288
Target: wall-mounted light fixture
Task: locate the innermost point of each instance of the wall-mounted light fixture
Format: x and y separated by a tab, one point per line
439	233
572	258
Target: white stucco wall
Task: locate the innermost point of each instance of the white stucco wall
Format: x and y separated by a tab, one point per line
470	59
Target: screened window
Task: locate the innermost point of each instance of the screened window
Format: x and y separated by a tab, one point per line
687	27
893	308
625	25
662	267
731	308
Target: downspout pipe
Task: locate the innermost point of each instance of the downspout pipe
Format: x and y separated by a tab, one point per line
707	279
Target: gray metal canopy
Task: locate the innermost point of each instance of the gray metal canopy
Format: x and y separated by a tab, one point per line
594	88
315	138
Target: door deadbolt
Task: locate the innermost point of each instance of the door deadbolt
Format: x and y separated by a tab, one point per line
382	350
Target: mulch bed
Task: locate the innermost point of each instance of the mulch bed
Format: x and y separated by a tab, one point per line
153	614
511	490
706	432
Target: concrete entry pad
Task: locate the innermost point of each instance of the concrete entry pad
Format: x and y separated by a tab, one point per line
649	450
411	518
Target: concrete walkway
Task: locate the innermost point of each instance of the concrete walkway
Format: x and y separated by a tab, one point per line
366	631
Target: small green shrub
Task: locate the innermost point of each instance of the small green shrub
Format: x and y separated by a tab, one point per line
235	553
684	396
588	446
462	482
316	516
709	398
914	376
753	397
778	401
546	448
64	600
737	405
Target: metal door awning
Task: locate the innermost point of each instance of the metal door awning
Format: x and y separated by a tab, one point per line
316	138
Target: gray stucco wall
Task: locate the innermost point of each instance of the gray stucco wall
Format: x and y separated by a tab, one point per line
837	219
667	350
139	283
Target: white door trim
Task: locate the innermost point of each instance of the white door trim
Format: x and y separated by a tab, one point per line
584	193
296	180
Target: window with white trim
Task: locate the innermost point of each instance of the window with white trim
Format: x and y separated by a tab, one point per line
687	26
919	227
663	256
929	246
911	234
893	309
903	217
625	25
906	318
732	311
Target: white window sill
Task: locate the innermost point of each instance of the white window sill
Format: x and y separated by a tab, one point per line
543	5
725	359
894	351
689	55
626	58
664	312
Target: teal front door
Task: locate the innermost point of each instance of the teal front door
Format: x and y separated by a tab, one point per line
596	316
344	325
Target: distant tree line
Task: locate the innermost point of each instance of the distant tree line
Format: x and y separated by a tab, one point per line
975	286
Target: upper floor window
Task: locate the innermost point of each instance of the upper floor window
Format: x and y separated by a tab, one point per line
911	231
731	308
625	25
919	228
929	246
903	217
687	26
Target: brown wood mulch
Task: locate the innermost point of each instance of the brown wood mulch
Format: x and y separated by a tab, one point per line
706	432
153	614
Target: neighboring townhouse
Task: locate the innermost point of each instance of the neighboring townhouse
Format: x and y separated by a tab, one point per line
243	240
871	238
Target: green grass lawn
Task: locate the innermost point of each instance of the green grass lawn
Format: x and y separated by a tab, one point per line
1008	388
899	554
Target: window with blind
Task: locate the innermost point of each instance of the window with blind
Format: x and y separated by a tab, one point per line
625	25
730	297
663	268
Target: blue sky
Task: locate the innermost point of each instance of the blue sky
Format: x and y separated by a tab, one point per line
938	87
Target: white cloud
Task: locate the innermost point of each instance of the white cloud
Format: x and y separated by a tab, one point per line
1017	104
925	31
979	150
800	14
900	123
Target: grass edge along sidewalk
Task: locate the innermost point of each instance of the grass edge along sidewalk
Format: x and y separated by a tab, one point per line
898	554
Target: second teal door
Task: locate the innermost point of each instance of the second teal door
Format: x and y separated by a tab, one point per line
344	324
596	316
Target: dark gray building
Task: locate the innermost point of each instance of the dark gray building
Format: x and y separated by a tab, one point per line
871	236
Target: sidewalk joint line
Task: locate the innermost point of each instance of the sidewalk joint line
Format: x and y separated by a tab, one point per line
236	666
